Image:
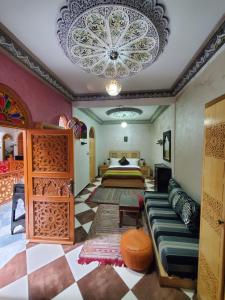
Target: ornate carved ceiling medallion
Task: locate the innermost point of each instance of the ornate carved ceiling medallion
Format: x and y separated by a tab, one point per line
124	113
112	39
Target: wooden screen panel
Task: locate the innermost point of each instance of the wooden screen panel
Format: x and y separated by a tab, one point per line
49	178
128	154
211	249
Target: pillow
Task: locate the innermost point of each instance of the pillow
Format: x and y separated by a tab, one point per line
133	161
176	198
123	161
172	184
174	193
189	212
114	161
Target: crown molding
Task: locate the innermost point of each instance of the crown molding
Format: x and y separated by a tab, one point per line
215	41
94	117
158	113
125	95
209	48
91	114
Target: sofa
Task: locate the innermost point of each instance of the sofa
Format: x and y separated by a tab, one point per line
173	219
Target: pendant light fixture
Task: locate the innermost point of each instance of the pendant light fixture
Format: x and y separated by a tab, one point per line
113	88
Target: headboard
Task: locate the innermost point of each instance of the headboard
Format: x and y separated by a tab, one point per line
128	154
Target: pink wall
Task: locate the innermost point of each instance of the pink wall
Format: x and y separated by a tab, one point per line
45	104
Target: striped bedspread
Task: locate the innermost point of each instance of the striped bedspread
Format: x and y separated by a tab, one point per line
122	173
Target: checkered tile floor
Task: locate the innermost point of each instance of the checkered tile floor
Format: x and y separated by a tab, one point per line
47	271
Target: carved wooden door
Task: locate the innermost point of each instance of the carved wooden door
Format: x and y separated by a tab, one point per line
92	158
48	184
211	250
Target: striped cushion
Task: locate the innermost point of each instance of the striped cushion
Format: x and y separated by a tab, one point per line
169	228
156	195
179	255
162	213
174	196
156	203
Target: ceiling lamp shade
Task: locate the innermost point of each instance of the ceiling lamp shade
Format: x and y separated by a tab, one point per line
113	88
112	38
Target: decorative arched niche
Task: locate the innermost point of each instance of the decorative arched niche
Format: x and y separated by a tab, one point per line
13	111
83	130
92	133
7	146
79	128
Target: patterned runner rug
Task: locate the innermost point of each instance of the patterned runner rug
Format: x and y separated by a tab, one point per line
104	237
112	195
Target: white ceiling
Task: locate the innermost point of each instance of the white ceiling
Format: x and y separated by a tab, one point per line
148	111
34	24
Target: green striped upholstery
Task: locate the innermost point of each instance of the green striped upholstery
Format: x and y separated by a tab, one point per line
160	203
162	213
179	255
156	195
177	245
169	228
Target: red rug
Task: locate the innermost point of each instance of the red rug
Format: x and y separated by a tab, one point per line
104	249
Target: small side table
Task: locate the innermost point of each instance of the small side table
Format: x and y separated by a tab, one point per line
145	170
102	169
129	205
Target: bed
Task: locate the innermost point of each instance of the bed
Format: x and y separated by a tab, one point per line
129	176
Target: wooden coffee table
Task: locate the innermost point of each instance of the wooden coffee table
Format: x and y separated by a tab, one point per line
129	205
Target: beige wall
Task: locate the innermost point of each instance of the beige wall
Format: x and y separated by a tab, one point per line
164	123
81	162
138	139
190	121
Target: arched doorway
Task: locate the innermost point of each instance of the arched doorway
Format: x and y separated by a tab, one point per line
14	117
92	154
7	146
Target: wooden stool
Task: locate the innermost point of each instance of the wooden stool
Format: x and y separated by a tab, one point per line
136	249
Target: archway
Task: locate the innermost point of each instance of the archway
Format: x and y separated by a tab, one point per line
92	154
13	111
7	146
14	115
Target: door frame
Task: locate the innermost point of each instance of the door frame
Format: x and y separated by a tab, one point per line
92	136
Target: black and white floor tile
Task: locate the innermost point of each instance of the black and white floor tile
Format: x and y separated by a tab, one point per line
48	271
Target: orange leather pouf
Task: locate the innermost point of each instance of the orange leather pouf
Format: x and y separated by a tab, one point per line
136	249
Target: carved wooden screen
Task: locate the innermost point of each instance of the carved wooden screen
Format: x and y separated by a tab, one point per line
211	249
49	178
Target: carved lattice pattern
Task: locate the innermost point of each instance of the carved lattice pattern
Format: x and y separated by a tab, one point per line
7	180
16	165
51	187
215	141
212	212
51	219
50	153
207	277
